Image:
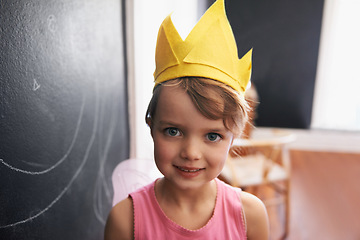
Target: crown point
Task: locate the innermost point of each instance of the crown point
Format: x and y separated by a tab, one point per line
165	57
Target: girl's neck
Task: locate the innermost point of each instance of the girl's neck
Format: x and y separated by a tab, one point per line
188	198
191	208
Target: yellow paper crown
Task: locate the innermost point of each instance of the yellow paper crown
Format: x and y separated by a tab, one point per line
209	51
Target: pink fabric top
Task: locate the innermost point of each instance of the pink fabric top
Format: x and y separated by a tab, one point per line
152	223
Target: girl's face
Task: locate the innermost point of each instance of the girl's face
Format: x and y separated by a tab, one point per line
190	150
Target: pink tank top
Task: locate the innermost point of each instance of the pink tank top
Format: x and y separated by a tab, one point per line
150	222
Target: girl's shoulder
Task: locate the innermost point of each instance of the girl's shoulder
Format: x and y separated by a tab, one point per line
256	217
119	224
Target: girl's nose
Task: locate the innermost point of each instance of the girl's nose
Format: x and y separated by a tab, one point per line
191	150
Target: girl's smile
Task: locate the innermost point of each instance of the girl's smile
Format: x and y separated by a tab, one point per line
189	172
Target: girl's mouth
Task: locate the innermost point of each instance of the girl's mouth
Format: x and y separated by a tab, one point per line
189	170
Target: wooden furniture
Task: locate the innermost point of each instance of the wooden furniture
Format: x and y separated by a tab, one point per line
261	165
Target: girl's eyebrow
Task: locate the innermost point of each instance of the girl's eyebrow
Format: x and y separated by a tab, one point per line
216	129
204	129
162	122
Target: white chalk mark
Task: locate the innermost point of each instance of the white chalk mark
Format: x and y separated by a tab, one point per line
37	165
72	179
62	159
52	23
101	182
36	85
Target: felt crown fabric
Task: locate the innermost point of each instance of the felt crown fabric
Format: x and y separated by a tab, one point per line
209	51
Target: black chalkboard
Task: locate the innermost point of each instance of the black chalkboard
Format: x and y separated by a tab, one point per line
285	36
63	116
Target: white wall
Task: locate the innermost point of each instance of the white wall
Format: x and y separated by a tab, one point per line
337	91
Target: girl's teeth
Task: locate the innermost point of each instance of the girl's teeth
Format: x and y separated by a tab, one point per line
186	170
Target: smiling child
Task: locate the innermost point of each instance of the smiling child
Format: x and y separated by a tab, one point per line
196	111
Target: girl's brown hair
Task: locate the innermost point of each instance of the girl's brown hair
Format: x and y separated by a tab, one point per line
213	99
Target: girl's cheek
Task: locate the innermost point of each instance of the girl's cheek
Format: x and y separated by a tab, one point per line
163	149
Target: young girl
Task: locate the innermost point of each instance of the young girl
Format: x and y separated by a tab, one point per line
196	111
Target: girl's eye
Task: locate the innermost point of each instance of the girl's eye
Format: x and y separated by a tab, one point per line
173	132
213	137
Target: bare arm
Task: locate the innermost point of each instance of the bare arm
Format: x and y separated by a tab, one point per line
256	217
119	224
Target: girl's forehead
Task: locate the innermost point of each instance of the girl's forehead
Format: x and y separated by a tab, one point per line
207	101
173	95
175	104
